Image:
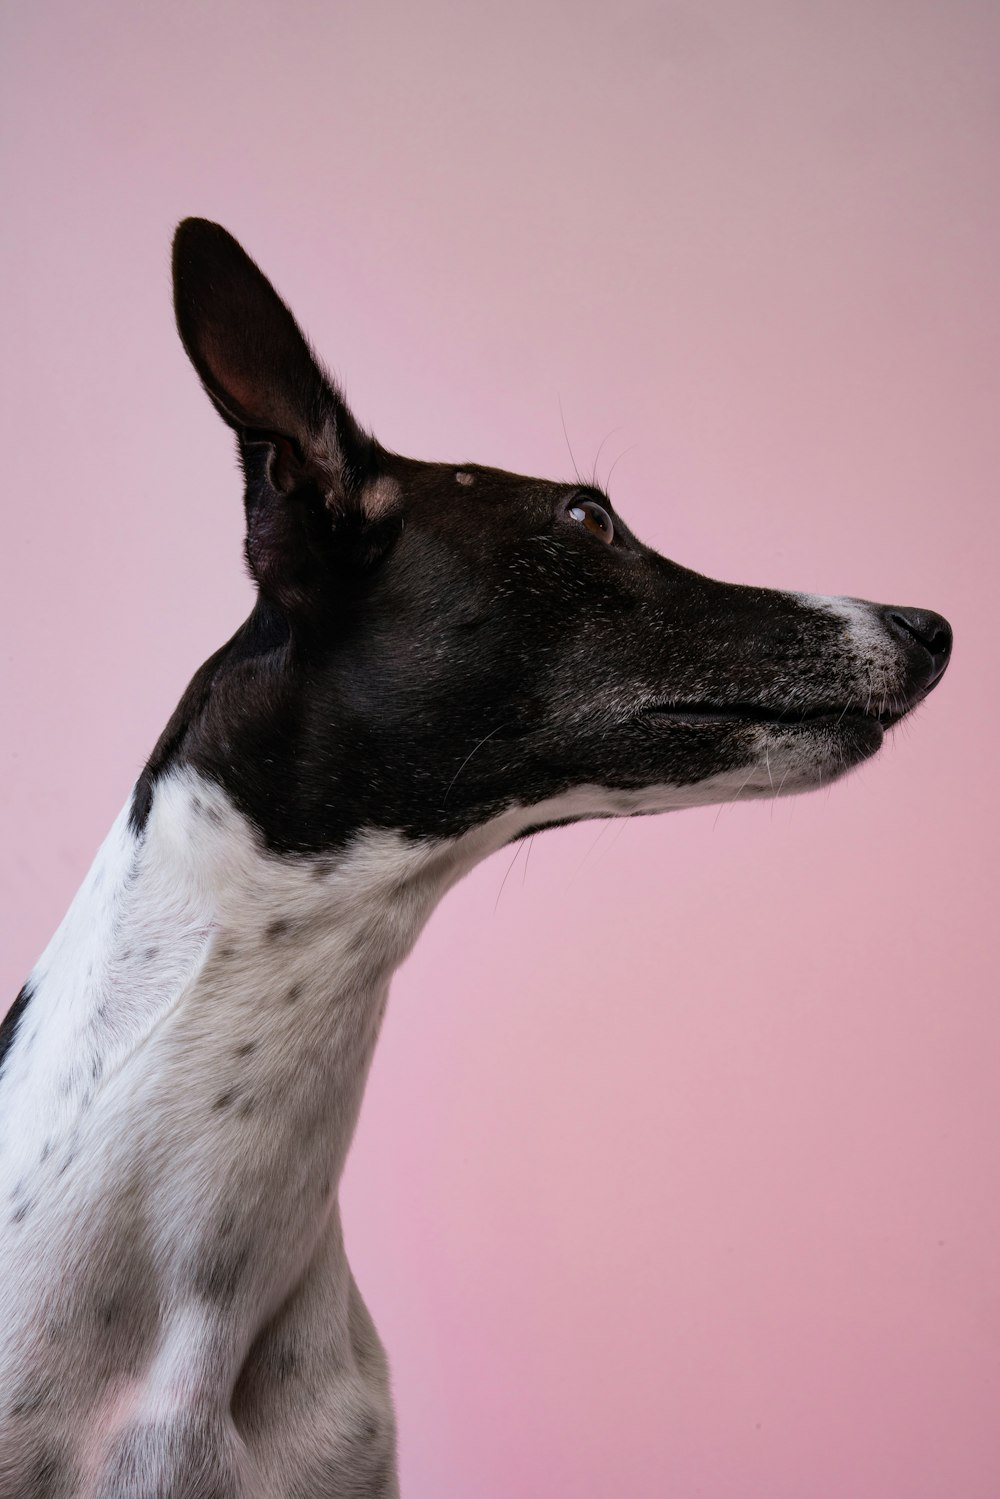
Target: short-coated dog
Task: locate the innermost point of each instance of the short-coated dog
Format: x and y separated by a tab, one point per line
441	658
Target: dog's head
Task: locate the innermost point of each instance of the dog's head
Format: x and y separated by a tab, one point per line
435	644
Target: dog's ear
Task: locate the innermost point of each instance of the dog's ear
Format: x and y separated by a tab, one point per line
307	461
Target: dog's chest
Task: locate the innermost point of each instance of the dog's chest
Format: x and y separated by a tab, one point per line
177	1104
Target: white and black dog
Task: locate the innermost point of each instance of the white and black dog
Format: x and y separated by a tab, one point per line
441	658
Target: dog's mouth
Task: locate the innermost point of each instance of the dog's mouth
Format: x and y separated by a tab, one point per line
824	715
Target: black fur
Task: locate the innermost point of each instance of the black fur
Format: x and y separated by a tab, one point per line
11	1021
424	651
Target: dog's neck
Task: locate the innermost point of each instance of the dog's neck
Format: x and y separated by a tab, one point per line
269	971
206	991
198	974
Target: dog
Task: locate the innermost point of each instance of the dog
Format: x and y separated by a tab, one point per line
440	660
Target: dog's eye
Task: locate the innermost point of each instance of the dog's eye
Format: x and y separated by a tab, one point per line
592	515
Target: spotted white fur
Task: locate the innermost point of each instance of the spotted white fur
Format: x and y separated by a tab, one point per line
189	1076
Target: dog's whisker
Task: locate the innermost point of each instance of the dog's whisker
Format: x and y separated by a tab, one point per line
605	824
474	750
597	457
623	454
569	446
510	866
524	868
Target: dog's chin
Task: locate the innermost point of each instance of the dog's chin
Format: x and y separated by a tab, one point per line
804	756
854	735
790	752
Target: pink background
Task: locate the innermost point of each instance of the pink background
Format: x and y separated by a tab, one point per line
677	1174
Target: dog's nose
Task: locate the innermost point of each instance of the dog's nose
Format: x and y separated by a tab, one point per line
930	633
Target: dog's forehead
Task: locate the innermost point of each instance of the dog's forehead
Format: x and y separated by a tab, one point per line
474	486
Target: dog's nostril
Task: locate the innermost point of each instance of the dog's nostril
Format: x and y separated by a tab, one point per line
923	628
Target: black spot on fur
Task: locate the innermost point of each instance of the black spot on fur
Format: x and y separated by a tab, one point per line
246	1049
184	1458
226	951
11	1021
30	1398
294	993
20	1213
108	1310
219	1272
276	929
51	1478
273	1359
282	1361
224	1100
227	1223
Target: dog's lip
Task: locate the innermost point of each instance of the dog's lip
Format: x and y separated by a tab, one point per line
822	715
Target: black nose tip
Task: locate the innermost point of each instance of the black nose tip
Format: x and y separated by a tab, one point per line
929	631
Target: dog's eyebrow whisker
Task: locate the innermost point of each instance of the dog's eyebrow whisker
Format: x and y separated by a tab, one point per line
623	454
597	456
576	468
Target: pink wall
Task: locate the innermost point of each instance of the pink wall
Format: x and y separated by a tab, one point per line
678	1169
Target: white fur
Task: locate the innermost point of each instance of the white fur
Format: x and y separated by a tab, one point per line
186	1080
870	643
